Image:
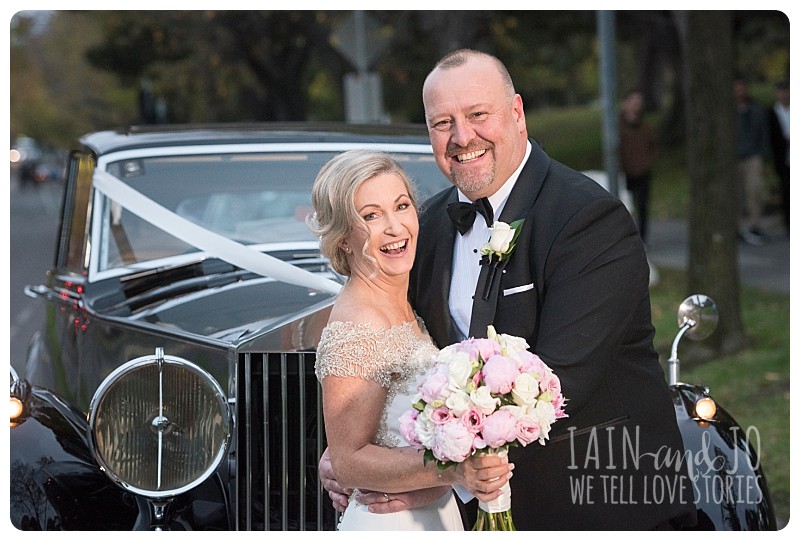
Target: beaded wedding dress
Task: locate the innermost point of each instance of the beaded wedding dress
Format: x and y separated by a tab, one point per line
396	358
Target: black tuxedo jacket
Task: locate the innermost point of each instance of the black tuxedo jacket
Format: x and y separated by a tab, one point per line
576	288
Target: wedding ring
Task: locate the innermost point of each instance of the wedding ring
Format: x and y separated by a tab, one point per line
388	499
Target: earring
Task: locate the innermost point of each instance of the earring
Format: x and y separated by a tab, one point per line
346	249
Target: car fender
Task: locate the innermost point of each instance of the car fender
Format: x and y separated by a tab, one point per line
55	482
730	489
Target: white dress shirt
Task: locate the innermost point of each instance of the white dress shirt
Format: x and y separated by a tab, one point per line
467	256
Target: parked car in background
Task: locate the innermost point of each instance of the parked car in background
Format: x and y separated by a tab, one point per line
172	384
33	163
26	154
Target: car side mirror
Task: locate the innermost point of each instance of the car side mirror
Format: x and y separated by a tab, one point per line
702	311
697	319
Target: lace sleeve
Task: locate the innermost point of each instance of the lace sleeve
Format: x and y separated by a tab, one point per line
353	350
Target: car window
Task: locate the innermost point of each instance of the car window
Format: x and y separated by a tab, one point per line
252	198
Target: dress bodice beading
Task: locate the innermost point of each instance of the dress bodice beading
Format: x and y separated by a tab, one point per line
395	358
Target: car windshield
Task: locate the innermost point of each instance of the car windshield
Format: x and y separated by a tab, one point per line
253	198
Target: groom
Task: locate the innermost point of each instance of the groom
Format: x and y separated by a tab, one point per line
575	287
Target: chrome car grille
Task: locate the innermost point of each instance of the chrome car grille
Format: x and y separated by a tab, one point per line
280	437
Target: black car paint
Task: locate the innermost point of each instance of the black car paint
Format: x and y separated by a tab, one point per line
730	488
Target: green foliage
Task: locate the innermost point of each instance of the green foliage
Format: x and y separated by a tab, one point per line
753	385
571	135
574	136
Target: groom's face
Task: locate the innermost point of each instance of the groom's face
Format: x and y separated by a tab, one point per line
476	126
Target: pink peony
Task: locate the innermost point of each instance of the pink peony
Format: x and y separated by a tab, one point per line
436	385
499	373
408	423
485	347
499	428
532	364
527	430
452	441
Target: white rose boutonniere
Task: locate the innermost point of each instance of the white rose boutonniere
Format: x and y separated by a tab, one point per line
502	240
499	247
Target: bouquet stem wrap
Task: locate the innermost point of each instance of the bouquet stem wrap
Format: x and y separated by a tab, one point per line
500	504
496	514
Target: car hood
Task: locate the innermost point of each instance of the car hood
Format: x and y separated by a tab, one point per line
235	312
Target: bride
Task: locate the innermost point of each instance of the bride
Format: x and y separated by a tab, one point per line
374	350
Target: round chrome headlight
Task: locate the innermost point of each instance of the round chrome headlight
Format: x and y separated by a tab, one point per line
159	425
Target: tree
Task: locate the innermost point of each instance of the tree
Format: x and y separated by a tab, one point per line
219	66
707	47
658	72
55	94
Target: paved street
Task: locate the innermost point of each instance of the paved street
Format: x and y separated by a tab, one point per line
33	221
764	267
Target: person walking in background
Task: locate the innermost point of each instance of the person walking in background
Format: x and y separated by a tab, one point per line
779	141
638	150
752	138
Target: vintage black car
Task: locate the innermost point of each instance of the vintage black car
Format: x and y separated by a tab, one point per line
172	385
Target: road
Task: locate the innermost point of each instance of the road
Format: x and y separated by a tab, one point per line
765	267
34	213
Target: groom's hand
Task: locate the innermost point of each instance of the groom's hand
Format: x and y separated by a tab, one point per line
339	495
401	501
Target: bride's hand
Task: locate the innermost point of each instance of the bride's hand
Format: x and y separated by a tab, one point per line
484	475
379	502
338	494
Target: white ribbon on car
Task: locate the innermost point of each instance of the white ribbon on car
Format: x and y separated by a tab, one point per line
214	244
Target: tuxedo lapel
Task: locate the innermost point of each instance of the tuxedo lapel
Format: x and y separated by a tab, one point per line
519	205
436	286
527	188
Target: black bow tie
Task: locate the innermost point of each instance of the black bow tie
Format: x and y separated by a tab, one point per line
463	214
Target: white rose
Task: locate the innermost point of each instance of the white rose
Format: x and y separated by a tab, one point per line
525	390
459	369
447	355
424	427
516	411
446	351
458	402
509	345
500	236
544	413
483	400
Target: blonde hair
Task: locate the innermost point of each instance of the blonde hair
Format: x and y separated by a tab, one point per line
333	198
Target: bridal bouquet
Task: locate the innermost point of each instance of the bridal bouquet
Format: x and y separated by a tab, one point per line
483	395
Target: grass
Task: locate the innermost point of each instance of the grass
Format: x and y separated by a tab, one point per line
752	385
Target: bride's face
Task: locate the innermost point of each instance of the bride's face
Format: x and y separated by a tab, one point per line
389	229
